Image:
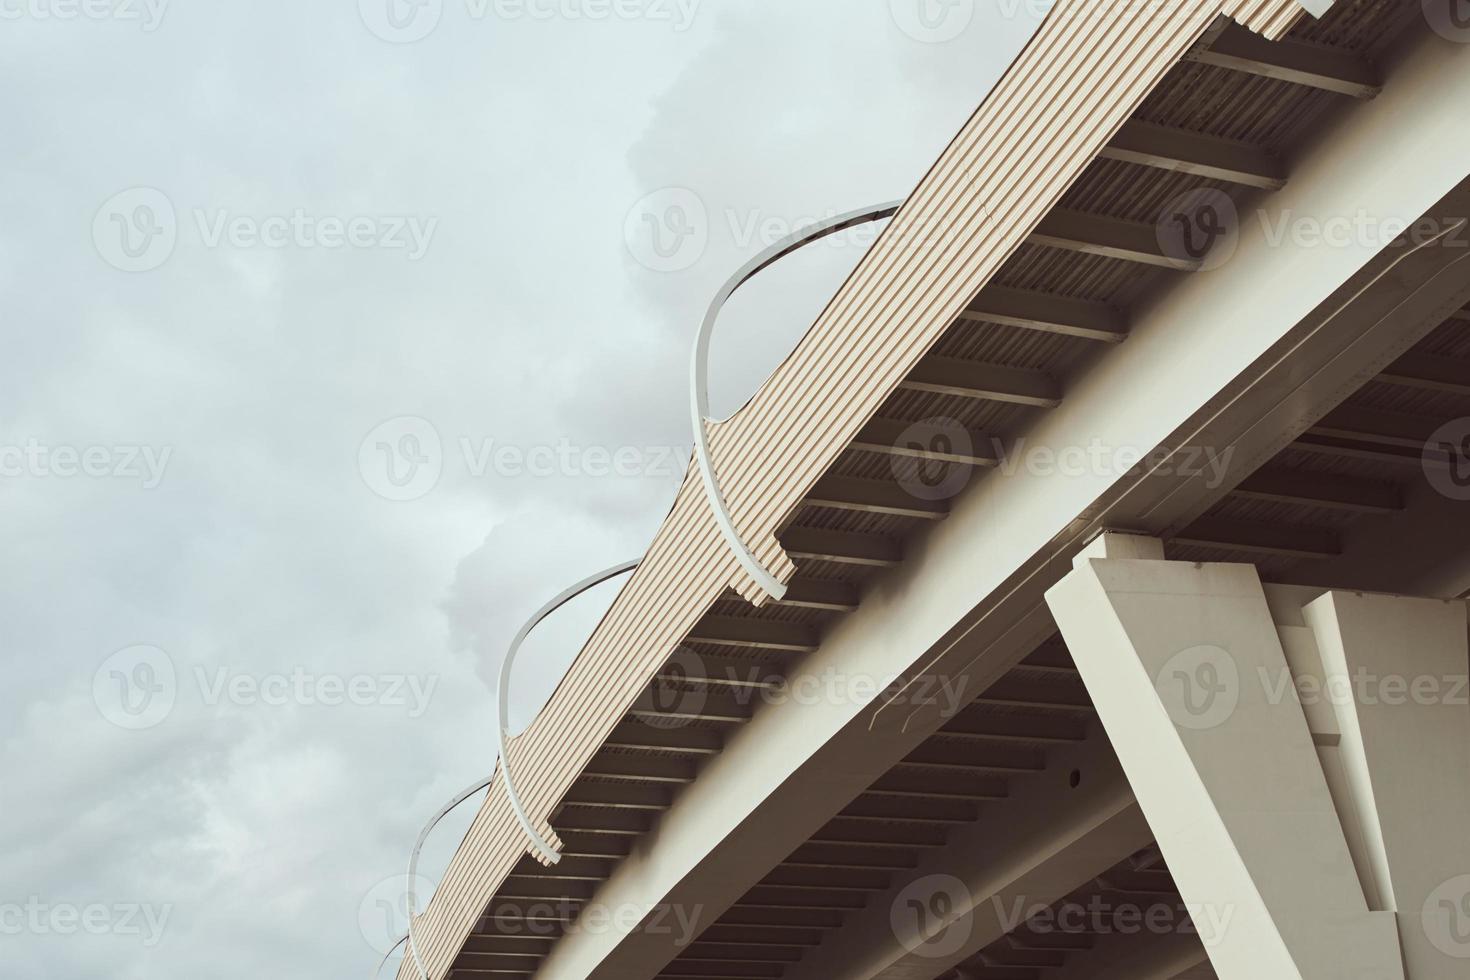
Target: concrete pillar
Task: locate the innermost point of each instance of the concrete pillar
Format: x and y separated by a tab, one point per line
1189	676
1395	672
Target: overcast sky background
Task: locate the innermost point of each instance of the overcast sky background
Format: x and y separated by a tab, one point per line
250	465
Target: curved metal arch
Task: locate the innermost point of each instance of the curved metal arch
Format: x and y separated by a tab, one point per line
413	866
699	407
541	844
538	842
388	955
699	376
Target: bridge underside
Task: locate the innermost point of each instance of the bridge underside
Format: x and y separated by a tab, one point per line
922	763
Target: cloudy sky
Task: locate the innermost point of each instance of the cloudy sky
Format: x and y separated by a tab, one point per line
339	335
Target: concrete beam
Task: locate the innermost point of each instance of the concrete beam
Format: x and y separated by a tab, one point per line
873	497
844	548
1046	313
1094	234
986	382
1182	151
1332	70
892	437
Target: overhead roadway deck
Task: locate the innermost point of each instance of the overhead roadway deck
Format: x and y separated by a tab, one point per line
634	752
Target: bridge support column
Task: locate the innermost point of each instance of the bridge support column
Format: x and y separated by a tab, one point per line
1192	683
1394	673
